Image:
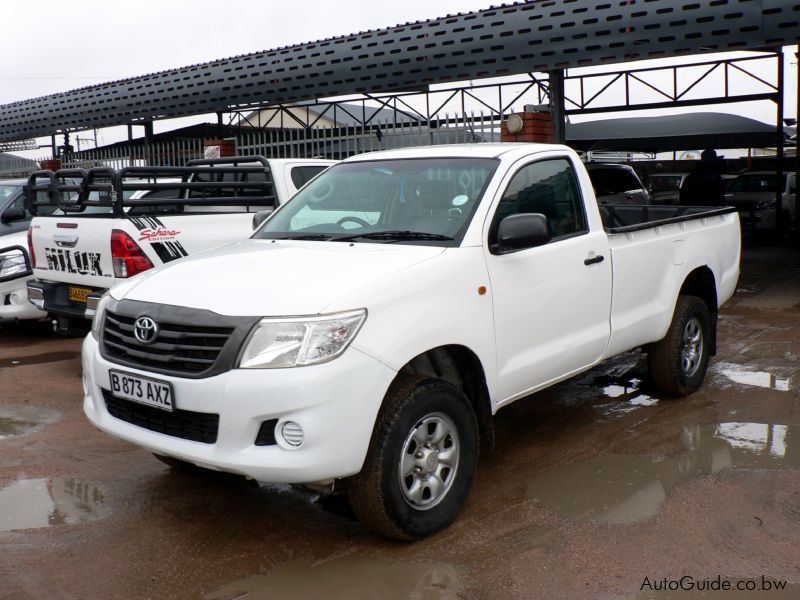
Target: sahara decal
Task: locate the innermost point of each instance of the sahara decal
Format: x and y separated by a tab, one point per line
166	249
160	234
73	261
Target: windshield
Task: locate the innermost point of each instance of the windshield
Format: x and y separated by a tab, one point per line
428	201
756	183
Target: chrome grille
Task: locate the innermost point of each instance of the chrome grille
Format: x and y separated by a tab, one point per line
177	348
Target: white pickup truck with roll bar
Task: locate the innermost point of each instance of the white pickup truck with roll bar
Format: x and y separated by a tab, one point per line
112	224
370	328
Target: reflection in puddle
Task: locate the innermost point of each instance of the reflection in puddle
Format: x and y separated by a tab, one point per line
614	488
348	578
32	503
20	420
768	587
745	376
625	393
38	359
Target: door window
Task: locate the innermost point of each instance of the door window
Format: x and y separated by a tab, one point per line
548	187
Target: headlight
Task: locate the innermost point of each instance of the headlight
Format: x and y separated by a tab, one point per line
99	313
300	341
12	263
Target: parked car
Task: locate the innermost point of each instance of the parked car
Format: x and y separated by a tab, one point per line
754	195
617	184
15	268
371	327
665	188
118	224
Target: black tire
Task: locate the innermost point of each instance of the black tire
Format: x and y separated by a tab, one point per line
677	365
376	494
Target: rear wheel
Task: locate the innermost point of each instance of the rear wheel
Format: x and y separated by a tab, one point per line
421	460
678	363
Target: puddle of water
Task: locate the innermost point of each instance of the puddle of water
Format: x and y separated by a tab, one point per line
48	357
348	578
612	488
34	503
746	376
625	392
767	587
21	420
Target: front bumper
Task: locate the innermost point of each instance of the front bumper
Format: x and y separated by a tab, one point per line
335	403
14	305
761	220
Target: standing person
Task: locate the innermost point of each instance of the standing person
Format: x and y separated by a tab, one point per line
704	185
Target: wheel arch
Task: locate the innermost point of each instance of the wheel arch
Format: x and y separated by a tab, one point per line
460	366
702	284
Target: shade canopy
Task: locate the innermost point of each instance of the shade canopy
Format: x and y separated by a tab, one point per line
673	132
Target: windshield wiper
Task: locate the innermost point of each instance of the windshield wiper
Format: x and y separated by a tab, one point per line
394	235
307	236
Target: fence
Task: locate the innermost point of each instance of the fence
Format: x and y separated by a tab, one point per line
326	142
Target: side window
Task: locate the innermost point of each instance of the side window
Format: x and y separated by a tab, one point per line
549	187
20	203
302	175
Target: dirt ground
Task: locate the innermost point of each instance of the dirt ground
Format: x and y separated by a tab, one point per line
596	489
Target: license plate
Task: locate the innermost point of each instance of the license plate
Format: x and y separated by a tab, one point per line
77	294
151	392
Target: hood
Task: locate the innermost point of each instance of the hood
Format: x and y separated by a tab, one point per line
19	238
272	278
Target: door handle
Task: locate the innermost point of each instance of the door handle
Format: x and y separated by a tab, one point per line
65	240
593	260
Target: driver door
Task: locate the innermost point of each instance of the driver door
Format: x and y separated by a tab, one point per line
552	302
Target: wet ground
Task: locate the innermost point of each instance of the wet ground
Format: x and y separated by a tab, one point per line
597	488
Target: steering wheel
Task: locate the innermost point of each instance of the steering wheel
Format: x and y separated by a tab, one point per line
356	220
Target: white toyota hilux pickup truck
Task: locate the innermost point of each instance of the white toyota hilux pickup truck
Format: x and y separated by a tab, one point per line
371	327
110	225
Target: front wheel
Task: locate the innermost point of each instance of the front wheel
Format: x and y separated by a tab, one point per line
678	363
420	463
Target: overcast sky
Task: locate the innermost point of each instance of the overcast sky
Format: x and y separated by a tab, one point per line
50	46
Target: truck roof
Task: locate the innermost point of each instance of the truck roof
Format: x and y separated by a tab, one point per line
487	150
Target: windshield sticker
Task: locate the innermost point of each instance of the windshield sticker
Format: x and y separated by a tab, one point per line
160	234
73	261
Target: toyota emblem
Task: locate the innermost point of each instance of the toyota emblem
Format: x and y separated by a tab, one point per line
145	330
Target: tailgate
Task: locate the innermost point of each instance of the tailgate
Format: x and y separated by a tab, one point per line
73	249
167	238
77	250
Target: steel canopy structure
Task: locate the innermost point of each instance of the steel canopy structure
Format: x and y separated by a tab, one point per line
540	36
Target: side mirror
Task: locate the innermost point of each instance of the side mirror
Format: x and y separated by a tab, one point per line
13	214
525	230
260	217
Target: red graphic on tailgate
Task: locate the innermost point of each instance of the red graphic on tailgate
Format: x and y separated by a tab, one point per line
160	234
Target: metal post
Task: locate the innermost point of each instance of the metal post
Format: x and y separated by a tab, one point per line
53	146
557	110
797	152
779	148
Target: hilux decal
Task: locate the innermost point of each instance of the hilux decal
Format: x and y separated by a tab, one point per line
167	250
73	261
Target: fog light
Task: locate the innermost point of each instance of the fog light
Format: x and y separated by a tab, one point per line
16	298
292	433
